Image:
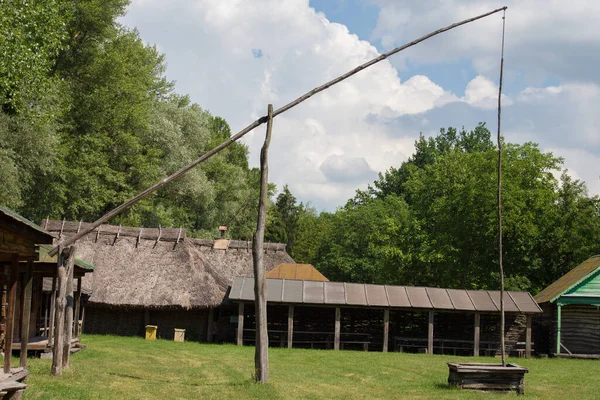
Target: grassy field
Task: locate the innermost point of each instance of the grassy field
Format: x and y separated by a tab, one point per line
132	368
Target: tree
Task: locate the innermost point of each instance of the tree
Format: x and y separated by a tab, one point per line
283	218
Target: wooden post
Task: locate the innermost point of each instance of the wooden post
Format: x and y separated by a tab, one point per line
386	329
47	306
52	320
26	288
430	334
240	329
69	309
82	318
336	340
59	316
77	309
10	313
558	316
528	337
209	325
290	334
477	334
261	355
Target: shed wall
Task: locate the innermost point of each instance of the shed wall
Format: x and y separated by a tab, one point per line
580	329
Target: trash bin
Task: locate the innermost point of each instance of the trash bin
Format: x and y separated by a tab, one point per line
179	335
151	332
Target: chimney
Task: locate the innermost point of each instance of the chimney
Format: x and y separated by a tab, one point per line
222	229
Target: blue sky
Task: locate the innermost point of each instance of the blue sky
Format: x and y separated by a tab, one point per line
235	57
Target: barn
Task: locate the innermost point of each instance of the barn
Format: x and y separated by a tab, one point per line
570	325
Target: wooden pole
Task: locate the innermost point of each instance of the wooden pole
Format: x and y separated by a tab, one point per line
261	356
52	321
477	334
336	340
255	124
69	309
290	334
26	289
240	328
528	337
386	329
209	325
77	309
10	313
430	334
502	319
59	316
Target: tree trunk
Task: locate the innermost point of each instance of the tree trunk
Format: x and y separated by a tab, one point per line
261	356
66	360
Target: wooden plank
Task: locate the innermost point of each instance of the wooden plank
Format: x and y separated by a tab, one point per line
528	337
386	329
209	325
26	288
477	334
336	342
69	309
240	329
430	334
290	333
10	313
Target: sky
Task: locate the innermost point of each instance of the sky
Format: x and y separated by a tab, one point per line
233	57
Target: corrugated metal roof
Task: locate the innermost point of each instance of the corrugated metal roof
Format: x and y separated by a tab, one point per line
367	295
303	272
13	215
569	280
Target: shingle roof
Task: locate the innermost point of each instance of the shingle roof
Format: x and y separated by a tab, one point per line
366	295
568	280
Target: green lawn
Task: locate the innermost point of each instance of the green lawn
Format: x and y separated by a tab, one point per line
132	368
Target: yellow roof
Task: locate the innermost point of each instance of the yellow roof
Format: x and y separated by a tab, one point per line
301	272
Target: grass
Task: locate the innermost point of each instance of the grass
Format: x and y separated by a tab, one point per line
132	368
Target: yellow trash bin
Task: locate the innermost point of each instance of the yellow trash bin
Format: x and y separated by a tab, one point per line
179	335
151	332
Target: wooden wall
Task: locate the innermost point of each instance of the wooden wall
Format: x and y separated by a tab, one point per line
580	332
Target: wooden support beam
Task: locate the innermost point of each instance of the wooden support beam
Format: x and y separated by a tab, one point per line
240	328
386	329
336	340
290	334
60	305
558	323
26	289
209	325
10	313
528	337
69	310
77	309
52	321
430	334
46	316
477	334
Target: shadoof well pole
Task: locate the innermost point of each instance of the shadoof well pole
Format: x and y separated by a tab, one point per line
145	193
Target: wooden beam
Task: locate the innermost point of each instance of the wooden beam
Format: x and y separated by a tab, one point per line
240	327
477	334
528	337
77	309
430	334
209	325
10	313
290	333
558	323
69	310
336	340
52	321
26	289
386	329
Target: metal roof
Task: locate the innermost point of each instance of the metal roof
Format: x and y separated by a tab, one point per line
569	280
367	295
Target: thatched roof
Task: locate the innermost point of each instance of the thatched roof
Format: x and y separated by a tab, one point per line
173	271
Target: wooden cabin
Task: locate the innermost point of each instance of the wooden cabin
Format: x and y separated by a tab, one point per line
19	240
571	319
159	276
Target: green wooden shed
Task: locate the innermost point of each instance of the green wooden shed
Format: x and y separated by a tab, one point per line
572	311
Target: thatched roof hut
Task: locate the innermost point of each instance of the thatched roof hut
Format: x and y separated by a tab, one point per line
157	268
